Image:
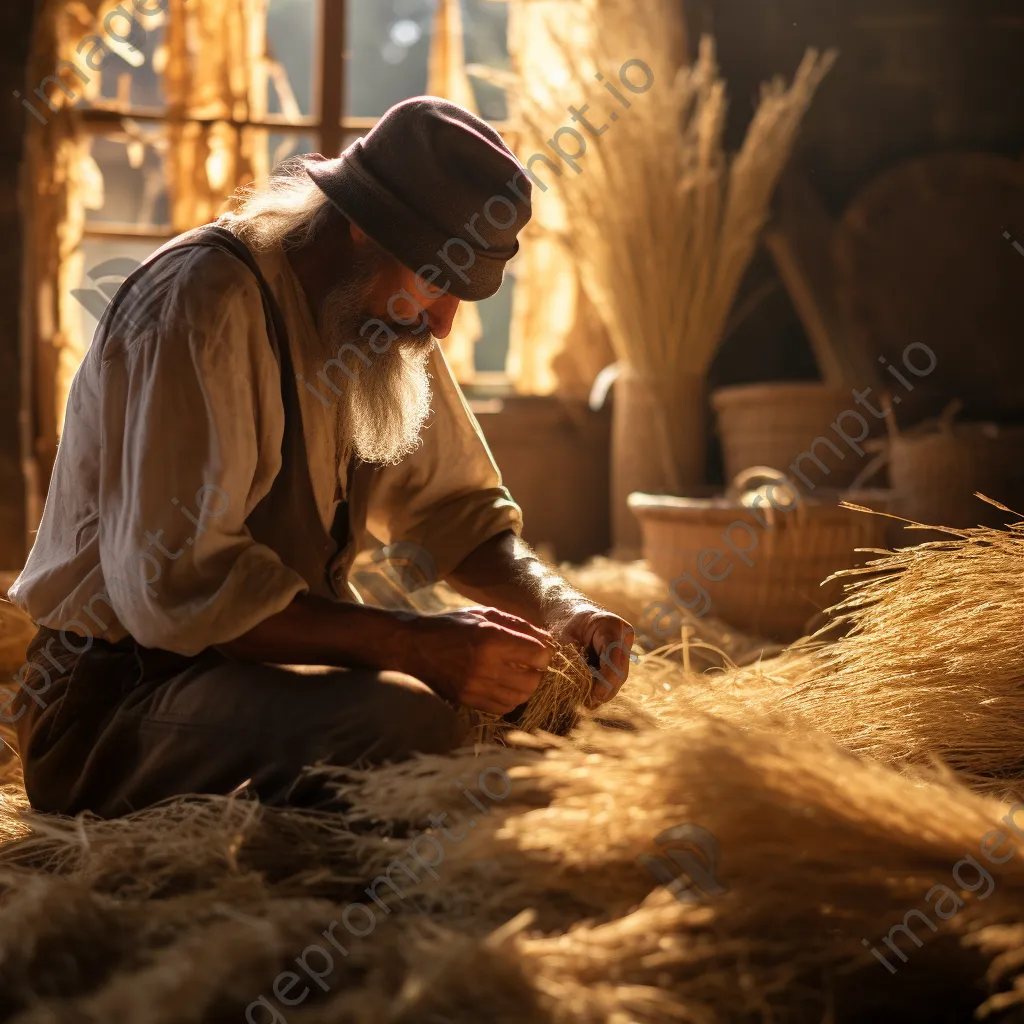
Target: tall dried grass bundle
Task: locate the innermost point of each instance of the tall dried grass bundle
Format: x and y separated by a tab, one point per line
662	223
933	663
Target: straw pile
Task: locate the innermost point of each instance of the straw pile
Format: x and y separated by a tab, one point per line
16	631
640	596
540	911
188	912
928	665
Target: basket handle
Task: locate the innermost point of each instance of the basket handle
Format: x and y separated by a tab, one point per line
749	478
949	414
880	461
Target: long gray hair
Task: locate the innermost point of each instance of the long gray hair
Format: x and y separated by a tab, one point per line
289	210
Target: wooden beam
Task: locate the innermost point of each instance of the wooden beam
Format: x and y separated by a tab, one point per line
108	119
105	119
112	232
331	75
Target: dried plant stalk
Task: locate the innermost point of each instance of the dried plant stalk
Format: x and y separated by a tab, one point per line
554	707
933	663
566	685
661	222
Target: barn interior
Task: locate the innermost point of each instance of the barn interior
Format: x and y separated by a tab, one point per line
755	380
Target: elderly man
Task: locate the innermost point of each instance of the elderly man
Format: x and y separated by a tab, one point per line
263	400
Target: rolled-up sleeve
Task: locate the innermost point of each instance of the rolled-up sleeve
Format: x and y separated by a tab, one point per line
447	497
191	442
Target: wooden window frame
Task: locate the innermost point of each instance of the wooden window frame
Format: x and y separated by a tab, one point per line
329	123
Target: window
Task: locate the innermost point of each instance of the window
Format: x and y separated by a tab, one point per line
198	99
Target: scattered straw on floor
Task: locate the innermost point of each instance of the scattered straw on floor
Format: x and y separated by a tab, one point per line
632	591
842	784
541	912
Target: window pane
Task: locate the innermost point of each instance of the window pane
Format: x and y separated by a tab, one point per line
389	52
491	353
125	179
389	45
485	24
291	30
281	146
131	55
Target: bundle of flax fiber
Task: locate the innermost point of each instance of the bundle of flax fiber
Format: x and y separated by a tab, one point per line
554	707
539	910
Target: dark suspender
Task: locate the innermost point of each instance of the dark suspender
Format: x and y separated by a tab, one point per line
306	544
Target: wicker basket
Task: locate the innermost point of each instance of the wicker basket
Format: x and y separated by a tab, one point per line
771	424
779	592
936	471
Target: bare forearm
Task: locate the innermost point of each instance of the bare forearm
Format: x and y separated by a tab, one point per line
506	573
314	631
482	658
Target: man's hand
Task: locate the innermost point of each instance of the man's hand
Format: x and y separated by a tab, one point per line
481	657
506	572
606	640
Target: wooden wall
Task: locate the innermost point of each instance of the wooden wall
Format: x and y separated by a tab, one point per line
914	76
15	35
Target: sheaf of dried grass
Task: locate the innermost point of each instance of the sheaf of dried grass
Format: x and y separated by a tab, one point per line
553	708
679	216
933	664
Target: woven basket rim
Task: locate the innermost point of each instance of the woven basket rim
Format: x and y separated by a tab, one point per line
741	394
968	432
725	510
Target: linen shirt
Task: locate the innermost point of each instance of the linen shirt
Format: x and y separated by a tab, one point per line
172	436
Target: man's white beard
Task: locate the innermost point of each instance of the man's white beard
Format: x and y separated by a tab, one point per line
382	408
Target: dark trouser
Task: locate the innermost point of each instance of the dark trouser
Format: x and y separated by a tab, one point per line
121	726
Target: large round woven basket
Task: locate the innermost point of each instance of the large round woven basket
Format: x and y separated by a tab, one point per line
773	424
935	474
773	573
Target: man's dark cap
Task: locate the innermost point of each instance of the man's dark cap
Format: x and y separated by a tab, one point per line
436	187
